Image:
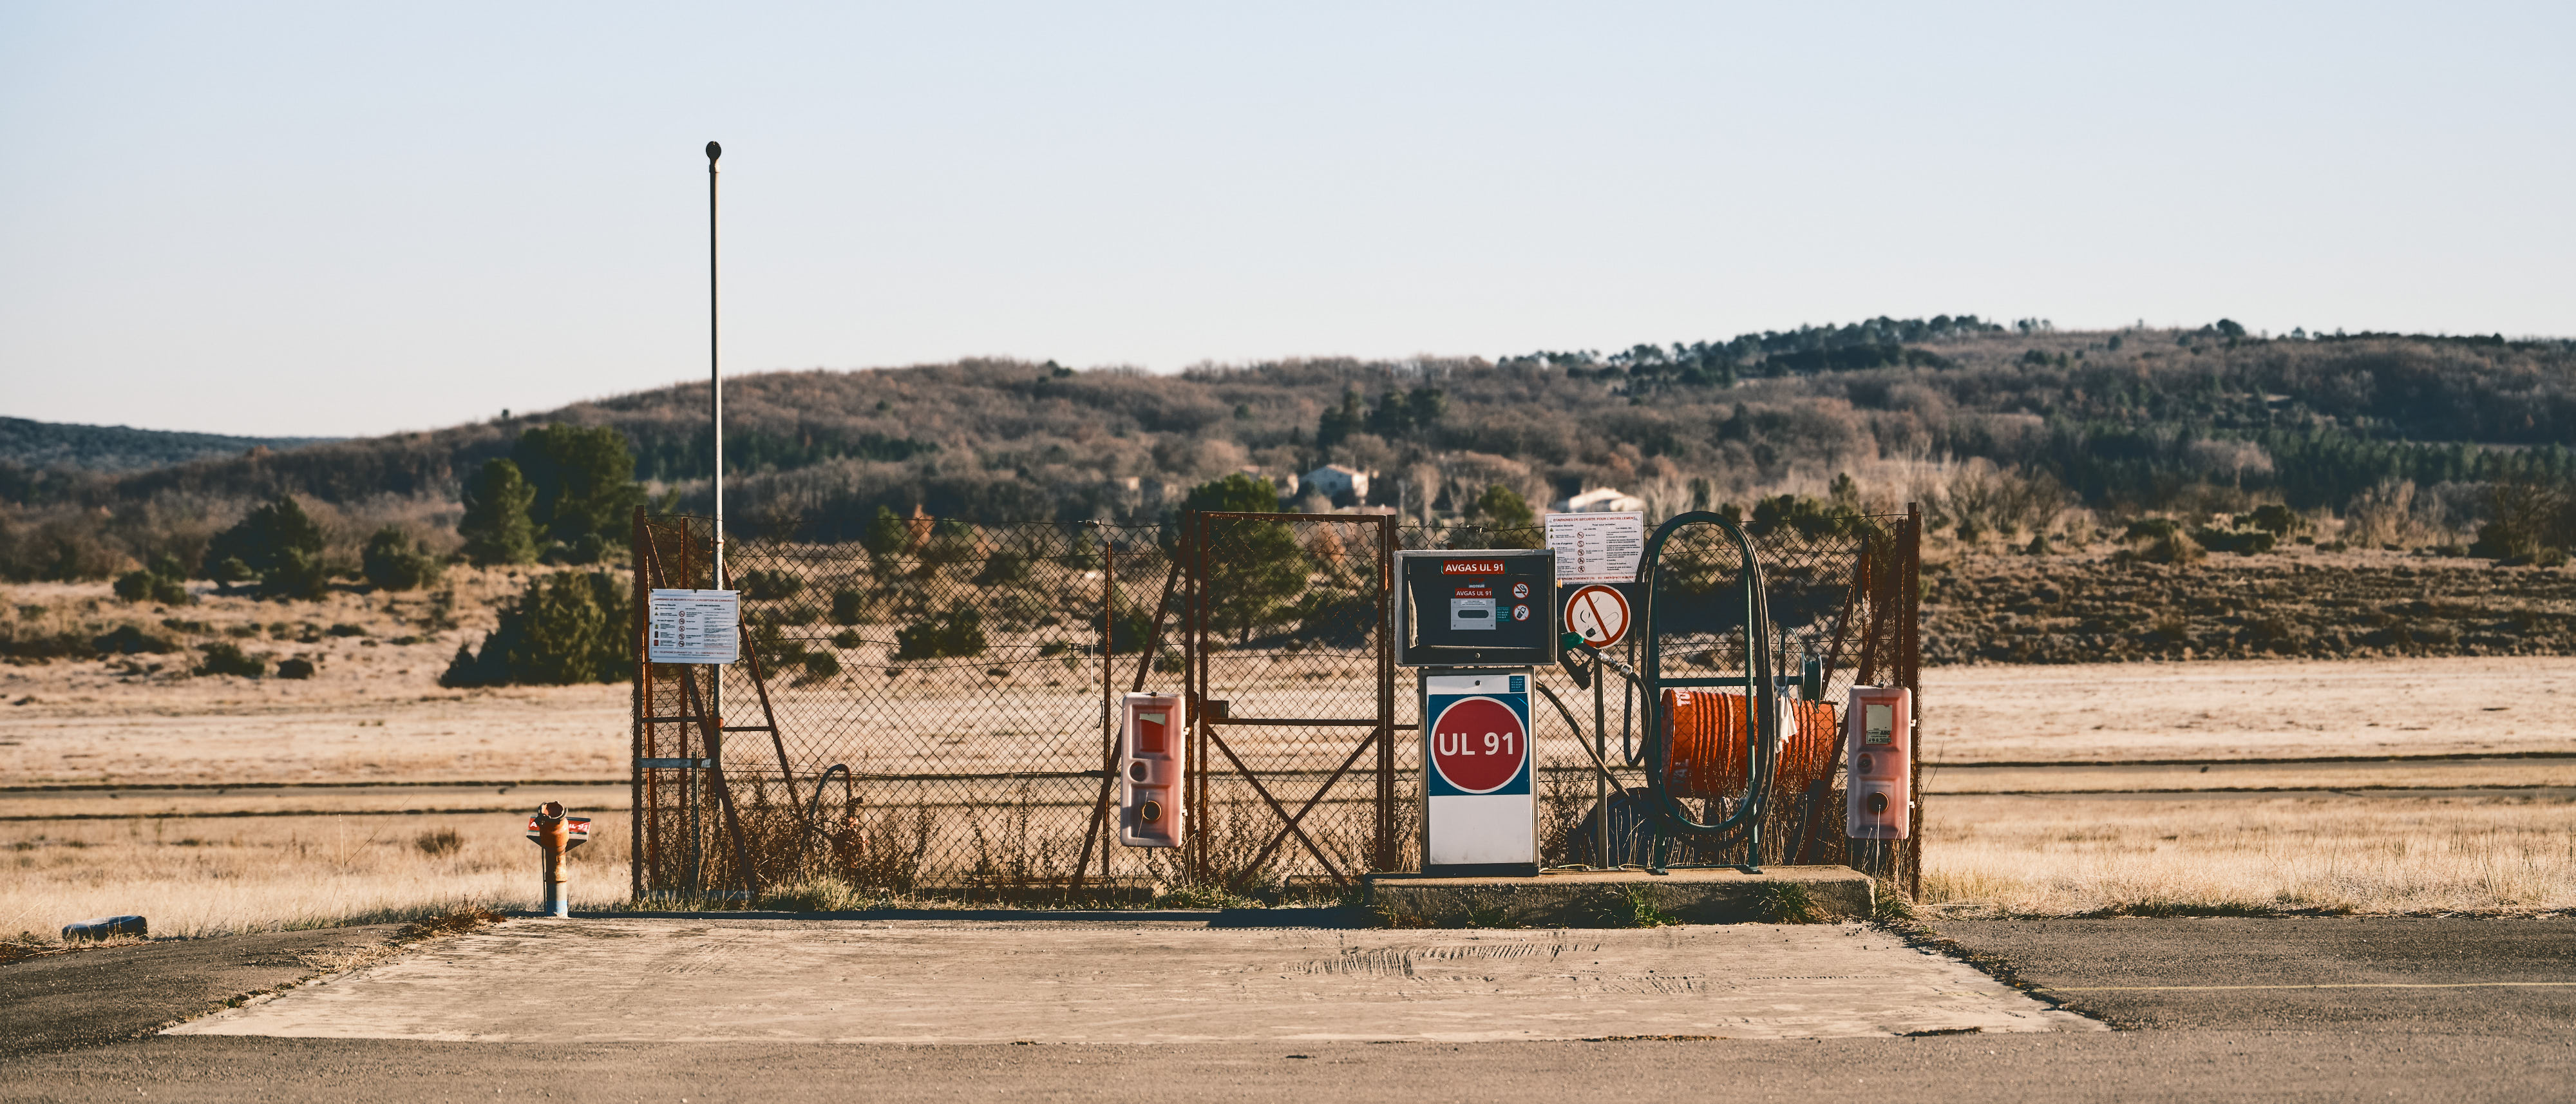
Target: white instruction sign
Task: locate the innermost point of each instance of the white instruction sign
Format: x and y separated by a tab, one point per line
1597	548
695	626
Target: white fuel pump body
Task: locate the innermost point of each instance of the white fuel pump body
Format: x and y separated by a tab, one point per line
1878	728
1153	759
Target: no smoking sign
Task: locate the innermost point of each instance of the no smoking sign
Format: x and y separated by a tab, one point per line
1598	613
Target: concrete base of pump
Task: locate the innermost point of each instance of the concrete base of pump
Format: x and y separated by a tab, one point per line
1622	898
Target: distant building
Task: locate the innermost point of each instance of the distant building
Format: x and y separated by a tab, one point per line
1602	500
1333	481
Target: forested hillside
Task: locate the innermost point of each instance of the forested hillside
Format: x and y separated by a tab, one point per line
1999	430
32	446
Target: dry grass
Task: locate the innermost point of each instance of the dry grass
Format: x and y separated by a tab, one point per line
2048	856
2248	709
206	876
2381	774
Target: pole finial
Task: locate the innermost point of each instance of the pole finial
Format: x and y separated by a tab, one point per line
714	151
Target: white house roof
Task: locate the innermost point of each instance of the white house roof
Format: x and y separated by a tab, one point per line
1601	500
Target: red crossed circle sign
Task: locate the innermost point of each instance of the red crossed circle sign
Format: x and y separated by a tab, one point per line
1599	614
1478	744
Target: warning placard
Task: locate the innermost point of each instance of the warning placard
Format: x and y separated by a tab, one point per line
1596	548
694	626
1598	613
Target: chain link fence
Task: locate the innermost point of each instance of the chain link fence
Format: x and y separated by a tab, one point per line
926	707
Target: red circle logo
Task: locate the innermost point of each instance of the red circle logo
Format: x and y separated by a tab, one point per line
1478	744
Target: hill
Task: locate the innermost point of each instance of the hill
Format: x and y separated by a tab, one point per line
1998	429
40	445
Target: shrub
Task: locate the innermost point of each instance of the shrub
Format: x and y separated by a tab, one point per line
821	665
439	843
2151	529
958	634
164	580
1003	569
278	546
393	561
847	604
226	658
2276	519
496	526
846	638
886	534
295	668
761	585
2173	548
2243	542
565	628
128	640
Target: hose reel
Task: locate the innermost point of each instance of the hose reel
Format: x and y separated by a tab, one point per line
1704	744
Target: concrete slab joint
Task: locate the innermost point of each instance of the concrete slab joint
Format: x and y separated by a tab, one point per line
1623	898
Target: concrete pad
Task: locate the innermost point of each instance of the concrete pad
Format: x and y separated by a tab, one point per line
1609	898
627	980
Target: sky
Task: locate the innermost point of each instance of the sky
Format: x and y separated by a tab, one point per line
337	219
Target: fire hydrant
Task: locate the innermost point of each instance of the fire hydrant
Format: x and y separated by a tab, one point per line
556	834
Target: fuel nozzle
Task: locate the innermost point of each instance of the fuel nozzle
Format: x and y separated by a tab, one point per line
1572	644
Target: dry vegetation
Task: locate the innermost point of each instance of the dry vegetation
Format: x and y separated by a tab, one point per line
372	711
2101	604
2180	855
209	875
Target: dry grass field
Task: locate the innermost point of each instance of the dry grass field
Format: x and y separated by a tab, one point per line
221	804
2250	854
208	875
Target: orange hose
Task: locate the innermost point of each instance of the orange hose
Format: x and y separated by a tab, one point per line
1705	735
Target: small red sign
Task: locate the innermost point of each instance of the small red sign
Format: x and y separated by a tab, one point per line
1478	744
1471	567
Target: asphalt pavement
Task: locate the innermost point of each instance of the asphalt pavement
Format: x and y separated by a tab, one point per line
2210	1009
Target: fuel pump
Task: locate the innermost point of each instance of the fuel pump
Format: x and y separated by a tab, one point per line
1476	625
1153	758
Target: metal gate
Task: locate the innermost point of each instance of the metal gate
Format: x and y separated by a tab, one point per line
1292	685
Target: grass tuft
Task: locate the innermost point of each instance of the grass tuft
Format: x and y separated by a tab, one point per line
1790	903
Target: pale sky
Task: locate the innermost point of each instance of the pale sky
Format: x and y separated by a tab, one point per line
336	219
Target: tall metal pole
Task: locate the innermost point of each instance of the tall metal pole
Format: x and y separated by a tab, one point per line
715	418
715	367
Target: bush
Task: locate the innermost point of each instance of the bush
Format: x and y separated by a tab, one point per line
164	580
2151	529
496	526
565	628
278	546
821	665
295	668
847	604
2243	542
959	634
227	658
393	561
128	640
761	585
2276	519
2173	548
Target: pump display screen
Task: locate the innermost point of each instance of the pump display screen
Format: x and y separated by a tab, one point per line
1471	608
